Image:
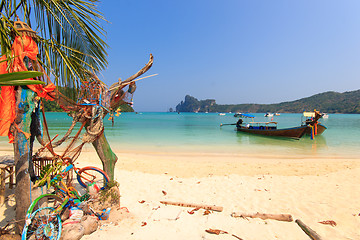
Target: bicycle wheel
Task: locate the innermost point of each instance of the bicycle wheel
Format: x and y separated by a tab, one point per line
89	175
43	224
45	200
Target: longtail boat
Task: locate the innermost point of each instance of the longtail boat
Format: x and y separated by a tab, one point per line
310	126
270	129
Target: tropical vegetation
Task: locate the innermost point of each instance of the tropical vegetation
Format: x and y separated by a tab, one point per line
329	102
69	36
52	106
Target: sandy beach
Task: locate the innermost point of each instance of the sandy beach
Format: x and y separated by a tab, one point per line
312	190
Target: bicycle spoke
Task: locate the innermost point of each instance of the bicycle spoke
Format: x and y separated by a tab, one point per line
44	224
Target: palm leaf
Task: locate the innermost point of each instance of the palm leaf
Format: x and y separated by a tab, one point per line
19	75
17	78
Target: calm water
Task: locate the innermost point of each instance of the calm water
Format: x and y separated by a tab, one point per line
201	132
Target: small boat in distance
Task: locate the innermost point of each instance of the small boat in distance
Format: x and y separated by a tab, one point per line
243	115
277	114
268	114
246	115
222	114
325	115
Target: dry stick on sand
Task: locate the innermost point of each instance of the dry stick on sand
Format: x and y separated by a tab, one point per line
208	207
311	233
279	217
218	231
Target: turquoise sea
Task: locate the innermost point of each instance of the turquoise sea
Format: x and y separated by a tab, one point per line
201	133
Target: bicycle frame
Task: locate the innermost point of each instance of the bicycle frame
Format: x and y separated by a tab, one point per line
62	187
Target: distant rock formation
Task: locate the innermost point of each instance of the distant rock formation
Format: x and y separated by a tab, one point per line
191	104
329	102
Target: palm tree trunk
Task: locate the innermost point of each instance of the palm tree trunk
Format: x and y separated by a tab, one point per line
22	153
106	155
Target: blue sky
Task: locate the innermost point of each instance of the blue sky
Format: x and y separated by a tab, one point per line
233	51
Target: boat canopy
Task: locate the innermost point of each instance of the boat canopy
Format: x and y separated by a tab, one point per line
309	114
246	115
266	123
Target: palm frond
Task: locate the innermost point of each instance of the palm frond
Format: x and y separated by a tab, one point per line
17	78
70	35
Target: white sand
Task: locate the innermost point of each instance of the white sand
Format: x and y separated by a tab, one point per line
311	190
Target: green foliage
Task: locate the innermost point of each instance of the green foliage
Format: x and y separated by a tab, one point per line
17	78
126	108
70	36
329	102
52	106
45	174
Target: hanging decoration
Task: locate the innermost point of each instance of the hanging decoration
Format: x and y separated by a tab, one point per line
23	47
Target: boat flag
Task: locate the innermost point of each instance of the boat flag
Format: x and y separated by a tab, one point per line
312	134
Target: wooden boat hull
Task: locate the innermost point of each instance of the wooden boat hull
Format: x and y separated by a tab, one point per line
320	129
296	132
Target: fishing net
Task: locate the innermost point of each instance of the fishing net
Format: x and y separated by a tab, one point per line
94	101
94	93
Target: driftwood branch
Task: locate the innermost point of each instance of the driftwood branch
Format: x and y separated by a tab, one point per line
136	75
192	205
142	71
118	95
311	233
279	217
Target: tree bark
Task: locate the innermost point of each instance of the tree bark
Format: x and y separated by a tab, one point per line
106	155
22	153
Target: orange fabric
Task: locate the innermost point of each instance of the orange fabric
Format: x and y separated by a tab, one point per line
7	110
22	47
42	91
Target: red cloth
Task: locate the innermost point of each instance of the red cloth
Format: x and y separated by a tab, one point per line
22	47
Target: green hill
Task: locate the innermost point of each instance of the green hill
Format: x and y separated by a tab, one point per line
329	102
53	106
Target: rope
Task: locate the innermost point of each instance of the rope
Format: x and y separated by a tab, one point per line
96	123
66	136
30	193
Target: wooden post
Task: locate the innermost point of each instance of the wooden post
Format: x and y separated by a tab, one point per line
6	165
11	177
106	155
2	185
